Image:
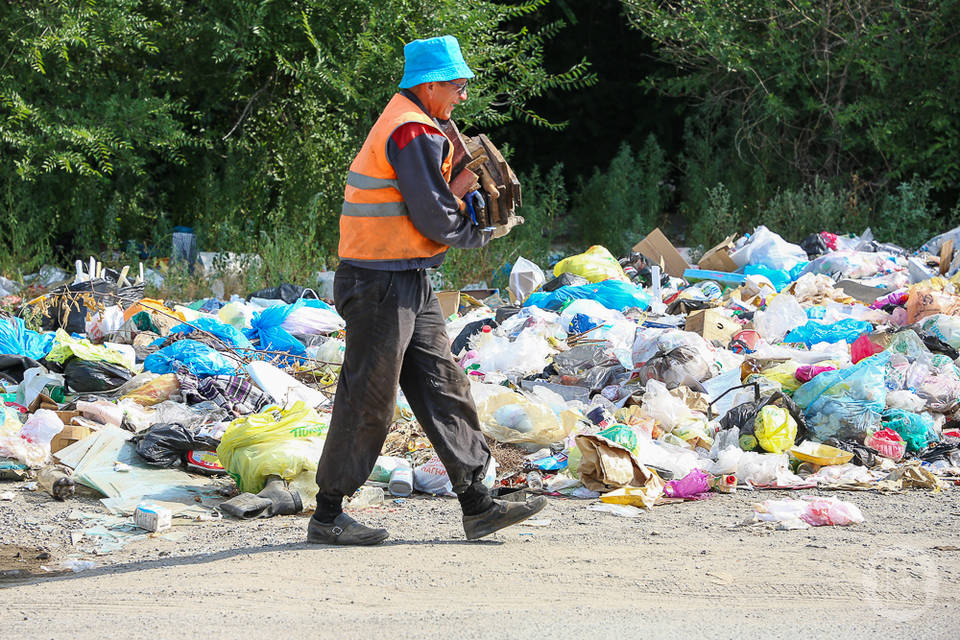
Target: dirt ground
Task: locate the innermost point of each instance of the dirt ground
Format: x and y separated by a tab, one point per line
685	570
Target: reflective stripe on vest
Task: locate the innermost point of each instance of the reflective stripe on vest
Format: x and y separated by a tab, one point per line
374	222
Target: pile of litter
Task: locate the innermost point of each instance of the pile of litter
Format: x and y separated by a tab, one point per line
634	382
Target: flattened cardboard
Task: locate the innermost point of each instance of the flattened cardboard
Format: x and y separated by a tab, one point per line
718	258
656	248
71	433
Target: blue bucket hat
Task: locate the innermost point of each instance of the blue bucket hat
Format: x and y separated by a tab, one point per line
433	60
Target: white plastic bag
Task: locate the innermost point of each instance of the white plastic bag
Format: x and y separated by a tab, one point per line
313	321
659	404
103	324
282	387
767	248
431	477
782	315
525	278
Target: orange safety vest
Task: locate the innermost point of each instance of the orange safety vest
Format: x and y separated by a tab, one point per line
374	223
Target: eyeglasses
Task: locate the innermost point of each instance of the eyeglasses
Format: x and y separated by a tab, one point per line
461	88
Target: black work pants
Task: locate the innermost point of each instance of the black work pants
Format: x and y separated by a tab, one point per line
396	335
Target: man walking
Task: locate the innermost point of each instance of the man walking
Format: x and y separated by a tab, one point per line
398	219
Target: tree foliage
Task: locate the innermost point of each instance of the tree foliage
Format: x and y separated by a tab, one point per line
121	118
820	87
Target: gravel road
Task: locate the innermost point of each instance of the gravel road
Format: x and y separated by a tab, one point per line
684	570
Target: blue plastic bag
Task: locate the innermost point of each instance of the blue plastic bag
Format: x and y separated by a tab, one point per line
779	278
845	403
613	294
265	327
813	332
16	339
200	359
916	429
226	332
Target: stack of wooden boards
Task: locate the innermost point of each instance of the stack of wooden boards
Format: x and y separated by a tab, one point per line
477	164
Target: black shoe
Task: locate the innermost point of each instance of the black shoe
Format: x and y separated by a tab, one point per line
344	530
283	501
501	514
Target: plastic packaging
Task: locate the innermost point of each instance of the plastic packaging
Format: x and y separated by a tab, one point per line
845	403
225	332
767	248
863	347
282	387
15	338
431	477
308	320
90	375
659	404
274	442
164	445
401	480
101	411
692	485
613	294
782	315
916	429
812	511
775	429
154	391
813	332
595	264
200	359
66	347
267	330
525	278
887	443
100	325
367	497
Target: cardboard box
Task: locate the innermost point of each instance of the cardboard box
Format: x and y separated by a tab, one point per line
71	433
718	258
656	248
712	325
449	302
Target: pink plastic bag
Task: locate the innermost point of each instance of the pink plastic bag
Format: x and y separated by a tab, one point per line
862	348
830	512
807	372
691	485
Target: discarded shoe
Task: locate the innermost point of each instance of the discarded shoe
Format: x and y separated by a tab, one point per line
344	531
502	514
283	501
247	506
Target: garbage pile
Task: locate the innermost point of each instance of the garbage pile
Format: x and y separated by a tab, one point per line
631	382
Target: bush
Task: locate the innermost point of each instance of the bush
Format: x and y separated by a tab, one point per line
618	207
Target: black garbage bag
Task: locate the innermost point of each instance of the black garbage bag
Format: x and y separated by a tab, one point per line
289	293
13	366
90	375
470	330
565	279
743	416
935	344
814	245
164	445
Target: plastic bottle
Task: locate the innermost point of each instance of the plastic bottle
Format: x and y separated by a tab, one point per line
367	497
401	481
535	481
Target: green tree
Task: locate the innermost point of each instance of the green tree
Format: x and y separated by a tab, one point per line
820	87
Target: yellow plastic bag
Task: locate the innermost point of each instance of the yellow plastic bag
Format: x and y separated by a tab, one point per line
274	442
65	347
775	428
157	390
595	264
784	373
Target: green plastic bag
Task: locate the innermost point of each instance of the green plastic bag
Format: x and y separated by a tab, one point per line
274	442
915	428
595	264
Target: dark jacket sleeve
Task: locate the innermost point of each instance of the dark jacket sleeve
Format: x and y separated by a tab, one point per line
416	153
